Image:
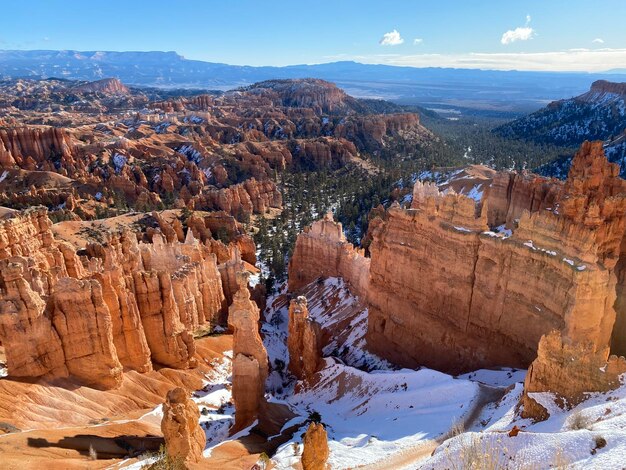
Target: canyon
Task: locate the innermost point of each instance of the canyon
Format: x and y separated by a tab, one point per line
90	146
449	286
143	318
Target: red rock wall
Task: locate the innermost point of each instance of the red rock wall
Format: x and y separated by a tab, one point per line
323	251
445	292
126	304
512	193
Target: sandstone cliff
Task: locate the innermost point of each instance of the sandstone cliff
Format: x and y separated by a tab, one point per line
489	297
572	369
323	251
106	85
124	304
445	291
34	147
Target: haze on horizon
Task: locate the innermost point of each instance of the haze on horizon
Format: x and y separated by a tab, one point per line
559	35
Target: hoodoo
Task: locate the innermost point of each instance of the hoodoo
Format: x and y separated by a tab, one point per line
315	452
304	342
250	363
184	438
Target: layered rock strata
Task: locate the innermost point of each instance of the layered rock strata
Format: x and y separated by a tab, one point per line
250	360
445	291
323	251
492	297
572	369
124	305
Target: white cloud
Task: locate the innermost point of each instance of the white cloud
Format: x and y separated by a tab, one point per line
517	34
598	41
590	60
417	41
521	33
391	39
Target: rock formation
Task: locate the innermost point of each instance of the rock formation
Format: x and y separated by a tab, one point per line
184	438
445	291
83	322
511	194
573	370
304	342
126	304
106	85
323	251
315	453
250	362
33	347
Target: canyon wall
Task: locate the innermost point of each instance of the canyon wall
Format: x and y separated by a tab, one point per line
445	291
123	304
323	251
472	298
510	194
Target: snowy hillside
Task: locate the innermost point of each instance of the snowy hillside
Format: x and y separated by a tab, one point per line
599	114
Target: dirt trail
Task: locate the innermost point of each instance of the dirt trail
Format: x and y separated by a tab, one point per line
424	449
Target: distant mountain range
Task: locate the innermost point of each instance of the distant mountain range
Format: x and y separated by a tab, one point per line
440	88
598	114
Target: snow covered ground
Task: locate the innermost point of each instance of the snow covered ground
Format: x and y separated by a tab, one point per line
371	415
590	436
378	417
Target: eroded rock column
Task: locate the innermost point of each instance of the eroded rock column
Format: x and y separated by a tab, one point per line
184	438
315	453
250	363
572	370
304	341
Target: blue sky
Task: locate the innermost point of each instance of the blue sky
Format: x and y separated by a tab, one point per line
503	34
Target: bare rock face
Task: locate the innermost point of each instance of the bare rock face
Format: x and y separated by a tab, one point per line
72	335
323	251
123	305
184	438
571	369
446	292
315	453
304	341
106	85
33	347
242	200
250	364
128	333
83	322
170	343
472	298
513	193
604	86
326	152
30	146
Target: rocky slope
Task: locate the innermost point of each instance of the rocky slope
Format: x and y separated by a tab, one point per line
598	114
